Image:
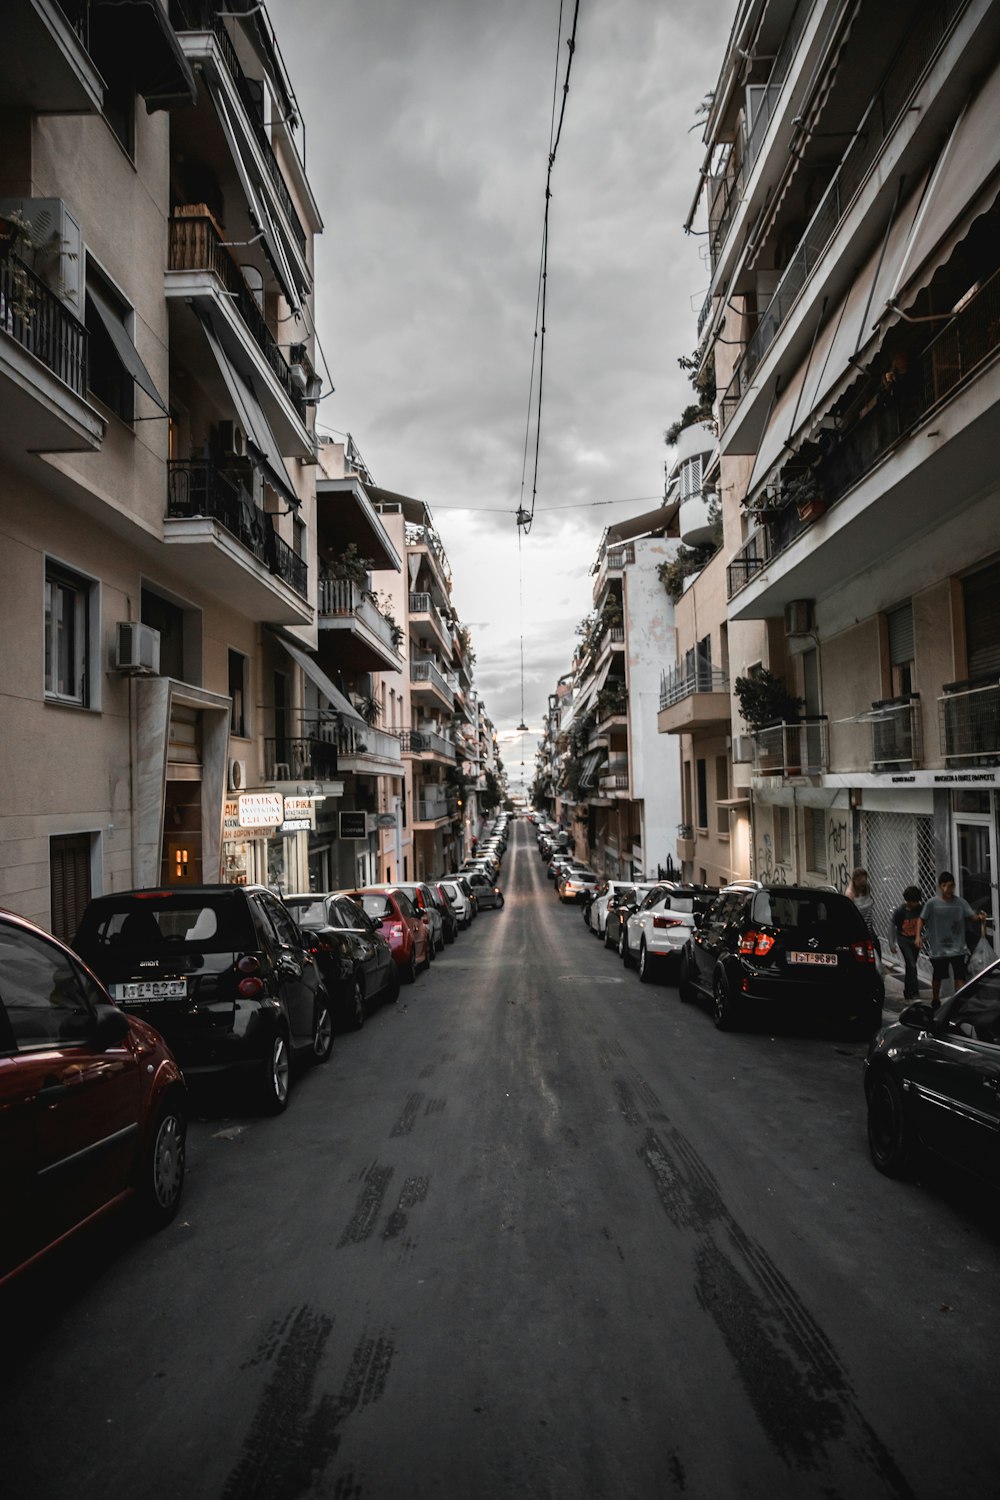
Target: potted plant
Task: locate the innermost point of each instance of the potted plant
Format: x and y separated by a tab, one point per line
805	492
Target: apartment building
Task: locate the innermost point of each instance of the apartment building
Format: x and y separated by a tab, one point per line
851	181
157	503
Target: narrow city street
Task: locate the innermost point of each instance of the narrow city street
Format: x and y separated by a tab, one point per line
537	1230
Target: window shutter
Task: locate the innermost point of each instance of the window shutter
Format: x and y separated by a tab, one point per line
900	622
982	622
69	882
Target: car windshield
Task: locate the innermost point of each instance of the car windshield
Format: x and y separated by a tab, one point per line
976	1010
807	910
308	913
147	924
375	905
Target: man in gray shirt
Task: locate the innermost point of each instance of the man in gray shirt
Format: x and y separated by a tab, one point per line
941	933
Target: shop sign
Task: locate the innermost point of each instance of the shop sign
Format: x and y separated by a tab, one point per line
261	809
353	825
295	825
387	820
985	776
230	819
299	811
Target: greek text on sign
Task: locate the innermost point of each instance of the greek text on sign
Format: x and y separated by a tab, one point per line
300	810
261	809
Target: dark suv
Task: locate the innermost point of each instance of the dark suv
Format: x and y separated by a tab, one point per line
223	974
798	952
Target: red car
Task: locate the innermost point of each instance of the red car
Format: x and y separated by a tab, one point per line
93	1107
400	923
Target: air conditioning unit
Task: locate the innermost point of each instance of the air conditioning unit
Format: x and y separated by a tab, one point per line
137	649
237	775
799	617
51	245
232	440
742	749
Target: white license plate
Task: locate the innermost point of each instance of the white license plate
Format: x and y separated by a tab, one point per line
812	958
152	989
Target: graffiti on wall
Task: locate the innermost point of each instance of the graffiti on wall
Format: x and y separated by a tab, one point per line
838	852
770	871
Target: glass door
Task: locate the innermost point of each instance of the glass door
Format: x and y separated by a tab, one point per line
976	867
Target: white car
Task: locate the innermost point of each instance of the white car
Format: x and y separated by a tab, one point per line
599	905
657	933
459	900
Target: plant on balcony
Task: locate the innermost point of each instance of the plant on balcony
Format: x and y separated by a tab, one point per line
369	708
590	630
351	567
468	650
687	561
612	699
764	699
806	493
701	374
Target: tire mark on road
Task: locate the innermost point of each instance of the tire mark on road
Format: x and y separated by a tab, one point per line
368	1207
626	1103
435	1106
407	1118
413	1191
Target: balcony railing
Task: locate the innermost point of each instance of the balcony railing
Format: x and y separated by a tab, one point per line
421	603
196	15
614	781
799	749
196	245
33	316
426	742
877	125
969	722
430	811
896	737
682	681
341	599
202	489
426	536
353	744
303	758
953	357
426	671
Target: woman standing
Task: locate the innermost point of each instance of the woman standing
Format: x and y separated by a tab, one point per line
858	891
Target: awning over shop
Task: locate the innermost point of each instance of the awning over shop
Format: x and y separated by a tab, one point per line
138	37
346	711
128	354
249	412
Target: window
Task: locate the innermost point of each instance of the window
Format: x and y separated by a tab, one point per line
238	694
782	835
721	794
701	773
815	840
44	994
107	377
982	622
69	882
179	630
68	604
899	623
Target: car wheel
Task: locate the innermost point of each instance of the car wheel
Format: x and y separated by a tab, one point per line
440	946
162	1166
608	940
623	952
322	1045
685	987
274	1075
722	1005
646	964
450	934
355	1007
888	1137
409	972
428	955
499	901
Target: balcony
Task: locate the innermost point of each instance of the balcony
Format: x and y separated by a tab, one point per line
305	758
434	812
611	565
230	545
43	368
896	734
427	680
693	698
363	752
427	743
423	610
686	842
614	780
612	705
353	624
44	63
792	750
426	537
969	723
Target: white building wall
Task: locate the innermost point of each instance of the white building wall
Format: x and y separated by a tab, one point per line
650	645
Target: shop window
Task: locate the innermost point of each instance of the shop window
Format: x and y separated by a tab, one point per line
238	666
69	606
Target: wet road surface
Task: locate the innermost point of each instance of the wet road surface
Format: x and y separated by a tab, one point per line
539	1230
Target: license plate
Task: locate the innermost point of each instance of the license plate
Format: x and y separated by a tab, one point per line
812	958
152	989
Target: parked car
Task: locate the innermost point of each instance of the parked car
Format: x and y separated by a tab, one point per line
656	933
932	1083
559	862
408	935
576	885
457	877
427	907
448	909
93	1107
597	916
353	956
799	953
620	908
222	971
487	893
460	900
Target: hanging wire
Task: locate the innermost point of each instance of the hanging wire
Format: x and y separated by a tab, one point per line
522	726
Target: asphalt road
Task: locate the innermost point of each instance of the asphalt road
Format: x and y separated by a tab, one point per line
538	1230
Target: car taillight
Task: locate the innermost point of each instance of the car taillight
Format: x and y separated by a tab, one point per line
395	929
757	943
248	964
250	988
864	951
667	922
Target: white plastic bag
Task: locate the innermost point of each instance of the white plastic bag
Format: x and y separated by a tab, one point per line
982	955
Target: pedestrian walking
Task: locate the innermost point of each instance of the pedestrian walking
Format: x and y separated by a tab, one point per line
903	932
857	890
941	933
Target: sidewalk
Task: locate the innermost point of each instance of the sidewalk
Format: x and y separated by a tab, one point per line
893	977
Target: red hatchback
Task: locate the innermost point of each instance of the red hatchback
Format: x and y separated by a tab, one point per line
92	1104
401	925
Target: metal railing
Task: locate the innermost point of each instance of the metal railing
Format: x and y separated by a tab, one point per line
427	742
614	781
341	599
421	603
368	745
195	245
190	15
880	119
299	758
427	672
969	723
431	810
682	681
426	536
202	489
896	736
35	318
799	749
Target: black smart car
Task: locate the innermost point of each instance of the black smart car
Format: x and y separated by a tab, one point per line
800	954
932	1083
221	971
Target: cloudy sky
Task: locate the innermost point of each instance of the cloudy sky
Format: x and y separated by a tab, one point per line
427	137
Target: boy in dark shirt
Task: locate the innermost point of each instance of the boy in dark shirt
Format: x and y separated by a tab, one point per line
904	931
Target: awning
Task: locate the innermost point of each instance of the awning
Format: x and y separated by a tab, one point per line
346	711
256	201
643	525
249	412
588	771
126	351
137	38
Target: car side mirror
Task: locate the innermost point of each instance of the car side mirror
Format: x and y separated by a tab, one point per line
111	1026
377	921
919	1015
696	919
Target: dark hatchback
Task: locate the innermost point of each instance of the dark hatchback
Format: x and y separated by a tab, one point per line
798	954
223	974
354	958
932	1083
